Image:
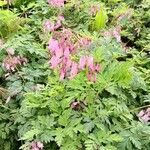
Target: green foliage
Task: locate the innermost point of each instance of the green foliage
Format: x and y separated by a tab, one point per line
37	106
3	3
100	19
106	121
9	23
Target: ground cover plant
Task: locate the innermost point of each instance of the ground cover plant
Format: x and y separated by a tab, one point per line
74	75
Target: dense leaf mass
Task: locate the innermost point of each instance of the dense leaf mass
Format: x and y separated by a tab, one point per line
75	75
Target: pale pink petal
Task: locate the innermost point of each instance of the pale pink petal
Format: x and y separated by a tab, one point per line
53	45
74	104
68	63
54	62
89	76
40	145
116	34
141	113
148	110
66	52
57	25
90	63
145	118
61	18
49	26
33	144
56	3
85	41
82	62
74	70
94	78
94	9
10	51
59	52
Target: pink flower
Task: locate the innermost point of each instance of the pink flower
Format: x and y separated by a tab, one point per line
36	145
145	118
141	113
94	9
54	62
40	145
107	33
56	3
82	62
94	80
57	25
61	18
74	70
10	51
59	22
11	62
90	63
62	74
61	51
85	42
54	46
75	105
148	111
49	26
116	34
97	68
144	115
68	63
89	76
66	52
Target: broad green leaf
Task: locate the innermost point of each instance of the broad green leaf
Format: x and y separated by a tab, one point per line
100	19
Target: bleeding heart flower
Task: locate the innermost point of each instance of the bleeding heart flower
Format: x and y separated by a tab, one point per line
144	115
49	26
66	52
75	105
145	118
90	63
141	113
82	62
10	51
74	70
54	62
40	145
56	3
53	45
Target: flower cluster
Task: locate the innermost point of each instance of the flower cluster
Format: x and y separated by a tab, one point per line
11	62
114	33
36	145
127	15
56	3
61	52
144	115
94	9
87	62
49	26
